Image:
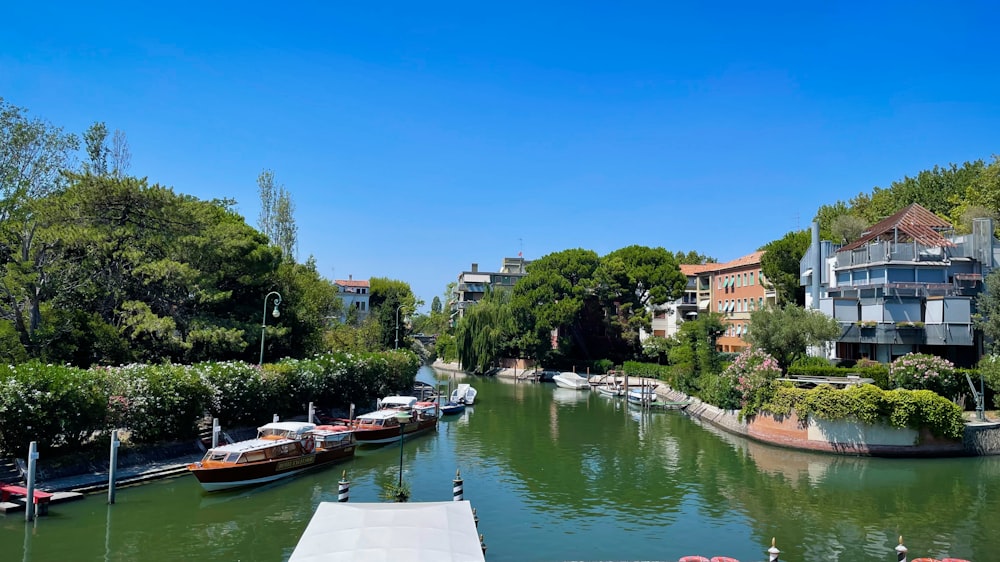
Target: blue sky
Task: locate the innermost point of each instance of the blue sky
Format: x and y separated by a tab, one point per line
419	138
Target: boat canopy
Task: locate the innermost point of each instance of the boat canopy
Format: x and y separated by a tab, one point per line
291	430
398	402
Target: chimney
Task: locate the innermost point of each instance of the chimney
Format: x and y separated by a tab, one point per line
475	267
350	277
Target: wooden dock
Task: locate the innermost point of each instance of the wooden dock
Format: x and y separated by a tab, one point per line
14	498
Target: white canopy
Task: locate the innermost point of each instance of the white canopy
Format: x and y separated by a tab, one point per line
377	532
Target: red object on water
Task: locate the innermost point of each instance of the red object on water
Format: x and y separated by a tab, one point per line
693	558
723	559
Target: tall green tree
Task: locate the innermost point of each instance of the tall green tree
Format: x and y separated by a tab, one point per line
987	317
391	302
788	331
484	335
780	264
33	155
277	215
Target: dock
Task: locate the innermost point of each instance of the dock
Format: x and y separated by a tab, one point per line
14	498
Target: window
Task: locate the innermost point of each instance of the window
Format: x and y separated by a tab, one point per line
751	278
739	281
718	282
720	306
760	303
746	307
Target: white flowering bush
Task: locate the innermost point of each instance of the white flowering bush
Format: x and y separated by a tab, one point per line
918	371
52	404
156	402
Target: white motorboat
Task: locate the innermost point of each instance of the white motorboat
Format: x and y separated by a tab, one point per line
464	394
571	380
611	389
641	396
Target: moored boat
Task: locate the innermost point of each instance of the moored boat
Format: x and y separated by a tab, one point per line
464	394
450	408
640	396
611	389
280	450
383	425
571	380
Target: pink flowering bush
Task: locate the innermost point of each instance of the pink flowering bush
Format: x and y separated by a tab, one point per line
917	371
753	378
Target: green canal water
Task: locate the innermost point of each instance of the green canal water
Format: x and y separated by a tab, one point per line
566	475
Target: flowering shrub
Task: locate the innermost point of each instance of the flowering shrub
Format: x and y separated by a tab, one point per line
753	377
917	371
64	406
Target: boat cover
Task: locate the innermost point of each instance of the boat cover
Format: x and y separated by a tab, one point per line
379	532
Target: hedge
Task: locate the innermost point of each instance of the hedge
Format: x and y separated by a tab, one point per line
61	406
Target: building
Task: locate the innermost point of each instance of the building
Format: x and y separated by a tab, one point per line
739	289
733	289
353	294
667	318
908	284
473	285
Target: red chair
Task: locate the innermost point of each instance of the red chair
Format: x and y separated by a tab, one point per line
954	560
925	560
693	558
723	559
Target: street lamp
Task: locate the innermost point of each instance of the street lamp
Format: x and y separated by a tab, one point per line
402	418
263	322
397	324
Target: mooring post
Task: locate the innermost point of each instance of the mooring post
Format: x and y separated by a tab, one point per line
312	413
215	432
773	552
275	420
350	416
343	488
900	551
29	506
112	467
458	487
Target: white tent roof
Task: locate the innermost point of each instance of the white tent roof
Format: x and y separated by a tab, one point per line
377	532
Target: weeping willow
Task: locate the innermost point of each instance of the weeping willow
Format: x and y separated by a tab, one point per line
485	333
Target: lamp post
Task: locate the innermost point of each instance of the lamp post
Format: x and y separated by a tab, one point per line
402	417
397	324
263	322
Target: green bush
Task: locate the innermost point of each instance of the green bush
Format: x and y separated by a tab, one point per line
870	404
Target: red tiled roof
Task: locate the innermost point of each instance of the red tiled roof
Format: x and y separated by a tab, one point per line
916	222
695	269
749	259
350	283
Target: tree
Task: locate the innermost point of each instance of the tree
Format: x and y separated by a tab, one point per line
95	138
285	229
33	155
390	302
786	332
987	317
485	333
436	304
780	265
847	228
631	279
277	215
693	258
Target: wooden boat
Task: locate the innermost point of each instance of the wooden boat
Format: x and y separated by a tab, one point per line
383	425
280	450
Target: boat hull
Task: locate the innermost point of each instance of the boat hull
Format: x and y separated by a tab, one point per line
214	478
382	435
574	382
